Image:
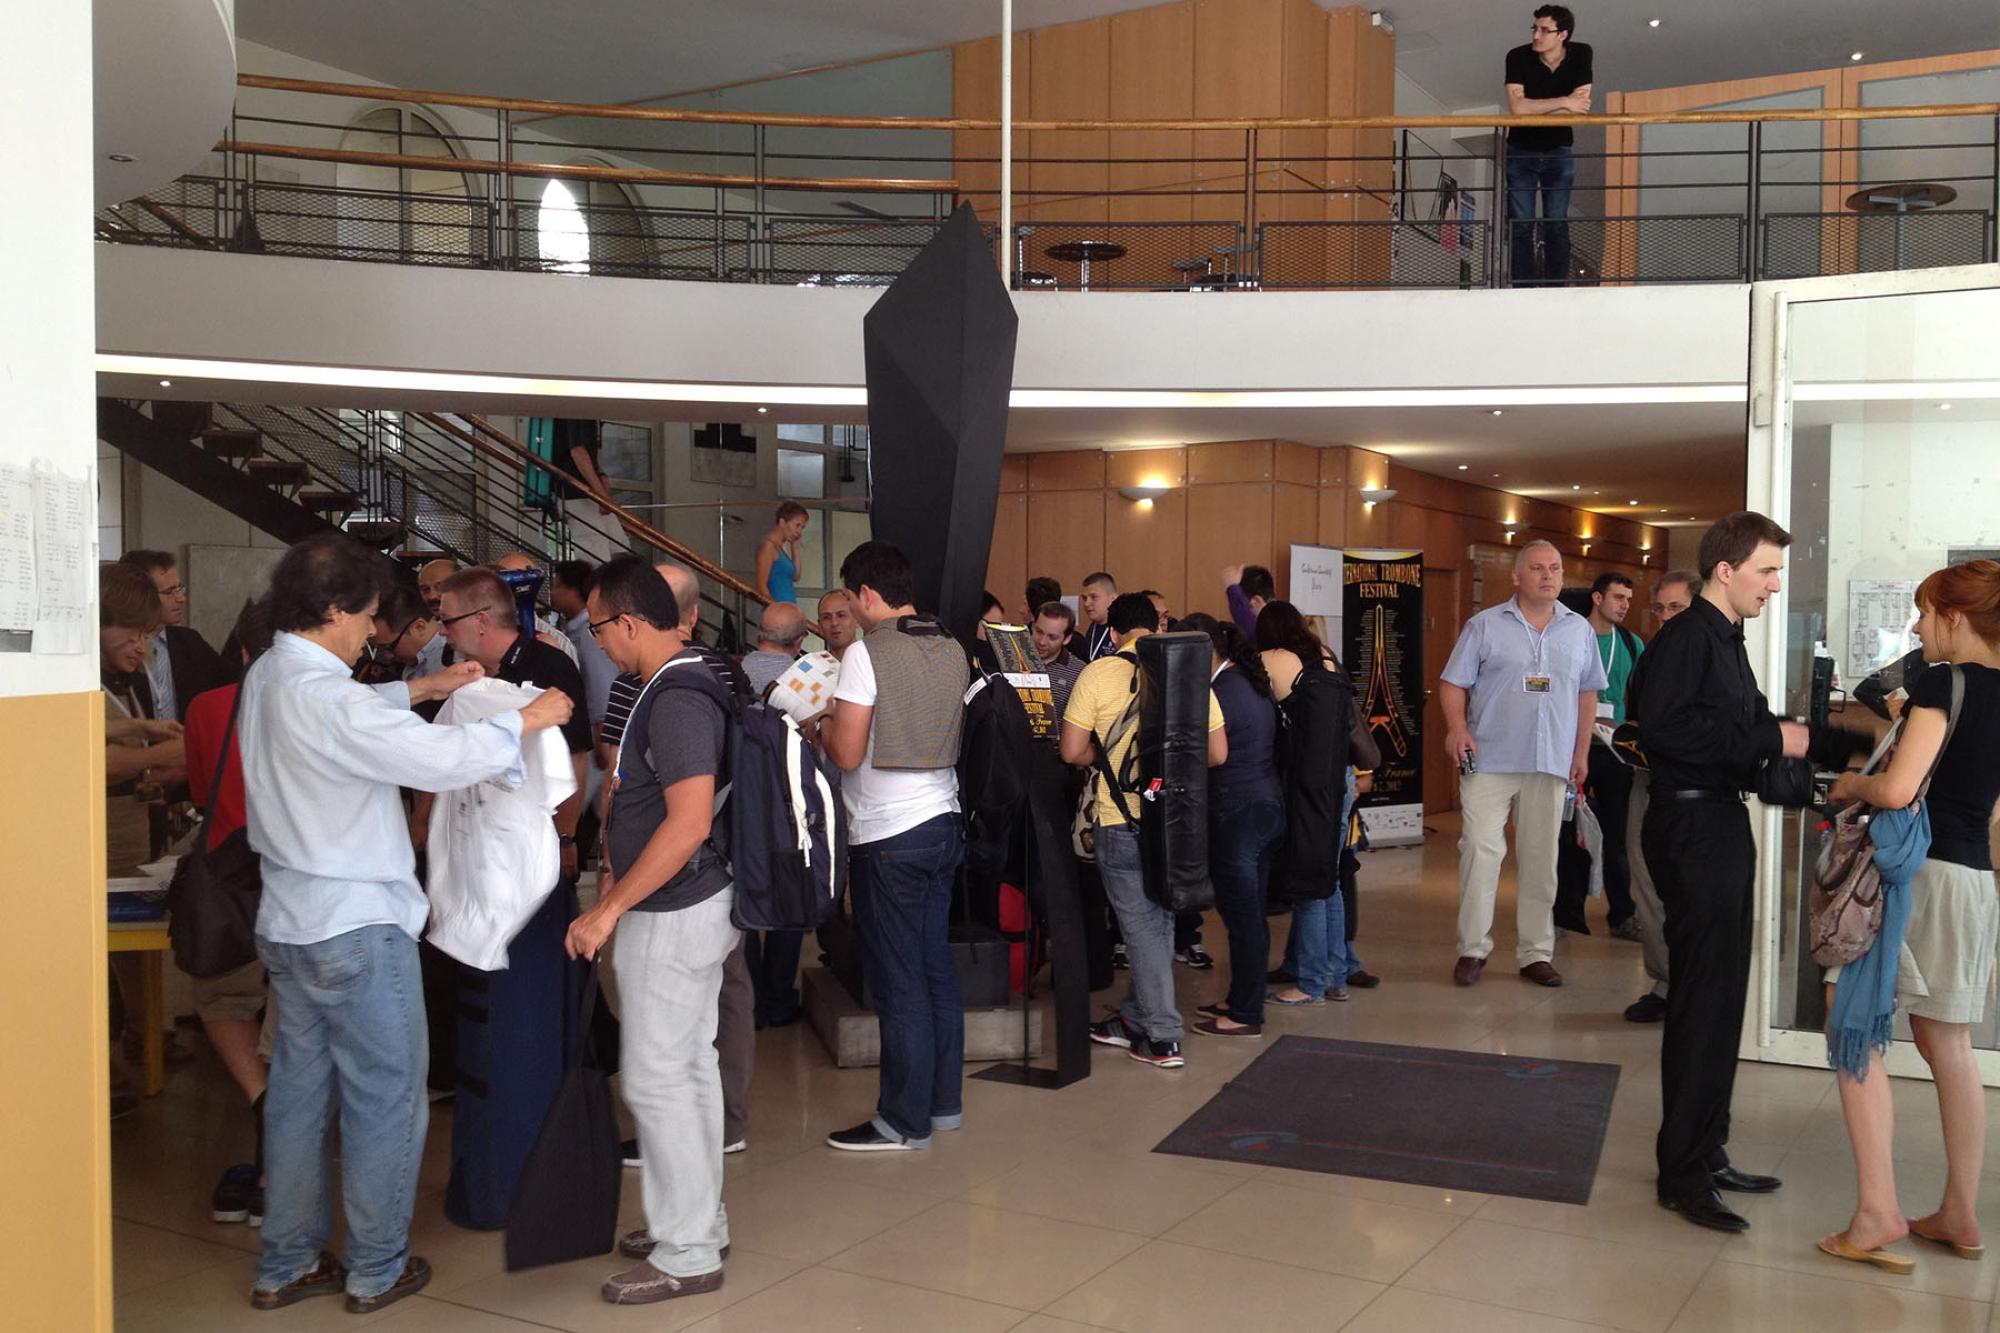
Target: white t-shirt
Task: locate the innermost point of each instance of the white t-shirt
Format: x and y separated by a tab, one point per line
493	851
882	804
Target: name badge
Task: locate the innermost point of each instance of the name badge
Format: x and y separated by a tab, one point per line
1607	711
1536	684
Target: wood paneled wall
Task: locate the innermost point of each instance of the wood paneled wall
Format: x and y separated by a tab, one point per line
1193	58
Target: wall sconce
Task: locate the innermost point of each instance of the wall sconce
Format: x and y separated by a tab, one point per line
1374	495
1144	494
1586	548
1510	534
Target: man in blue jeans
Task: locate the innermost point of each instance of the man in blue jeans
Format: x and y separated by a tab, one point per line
337	927
898	717
1148	1023
1550	76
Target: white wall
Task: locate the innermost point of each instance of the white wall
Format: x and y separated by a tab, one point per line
47	397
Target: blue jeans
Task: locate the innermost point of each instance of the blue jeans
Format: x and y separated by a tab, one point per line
1241	842
1319	945
1548	173
902	912
1148	929
350	1049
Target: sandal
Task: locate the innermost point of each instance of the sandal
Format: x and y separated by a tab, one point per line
1839	1247
1974	1252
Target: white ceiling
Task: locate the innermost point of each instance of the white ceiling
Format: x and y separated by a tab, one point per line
629	50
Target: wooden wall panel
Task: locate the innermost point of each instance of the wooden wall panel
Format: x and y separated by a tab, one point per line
1294	521
1233	460
1073	61
1013	473
1152	75
1296	463
1238	55
1066	535
1227	525
1070	470
1007	560
975	94
1143	544
1145	467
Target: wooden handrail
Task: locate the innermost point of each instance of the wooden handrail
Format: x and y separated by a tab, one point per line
172	219
586	172
602	111
498	444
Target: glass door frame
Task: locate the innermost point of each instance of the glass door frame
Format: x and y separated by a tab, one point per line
1769	491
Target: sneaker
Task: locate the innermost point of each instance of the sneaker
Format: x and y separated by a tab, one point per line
1118	958
629	1149
326	1278
1159	1054
727	1148
256	1218
416	1276
1338	994
645	1284
1629	930
231	1200
1194	956
1111	1031
1364	980
865	1137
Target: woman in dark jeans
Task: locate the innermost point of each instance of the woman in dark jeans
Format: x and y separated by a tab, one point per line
1246	818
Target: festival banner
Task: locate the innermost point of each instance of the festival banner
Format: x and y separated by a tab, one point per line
1014	649
1383	649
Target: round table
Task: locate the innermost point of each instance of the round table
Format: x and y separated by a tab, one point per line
1084	254
1900	198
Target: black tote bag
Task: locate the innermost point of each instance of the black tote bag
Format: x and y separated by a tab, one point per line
212	898
566	1201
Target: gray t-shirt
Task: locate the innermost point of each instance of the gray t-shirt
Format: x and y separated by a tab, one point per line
765	666
684	738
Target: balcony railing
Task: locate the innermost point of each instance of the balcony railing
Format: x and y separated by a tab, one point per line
734	197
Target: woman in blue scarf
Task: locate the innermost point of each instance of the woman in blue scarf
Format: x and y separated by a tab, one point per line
1940	920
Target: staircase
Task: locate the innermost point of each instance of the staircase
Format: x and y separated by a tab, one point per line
416	486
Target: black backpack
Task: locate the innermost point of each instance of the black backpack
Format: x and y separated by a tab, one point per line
787	830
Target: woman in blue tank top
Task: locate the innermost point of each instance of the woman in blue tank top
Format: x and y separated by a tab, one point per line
778	554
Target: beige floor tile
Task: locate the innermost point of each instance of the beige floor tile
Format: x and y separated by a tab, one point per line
144	1256
565	1296
1312	1229
988	1255
217	1300
421	1314
1624	1207
1572	1277
1151	1292
1146	1195
1401	1310
1457	1203
1043	1323
953	1164
1754	1300
820	1298
796	1217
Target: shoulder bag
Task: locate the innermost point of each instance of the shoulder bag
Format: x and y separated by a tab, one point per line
212	898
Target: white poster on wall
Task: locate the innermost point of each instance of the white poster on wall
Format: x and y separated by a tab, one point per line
1316	587
1880	615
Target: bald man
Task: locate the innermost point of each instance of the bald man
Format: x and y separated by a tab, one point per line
430	581
687	591
780	631
836	621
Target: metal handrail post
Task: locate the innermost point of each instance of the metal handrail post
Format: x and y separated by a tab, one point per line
719	265
1993	212
1499	265
511	231
1752	255
760	222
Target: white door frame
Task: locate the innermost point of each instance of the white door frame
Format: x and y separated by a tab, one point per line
1769	491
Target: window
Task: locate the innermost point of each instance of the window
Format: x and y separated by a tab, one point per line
561	232
801	474
428	216
803	434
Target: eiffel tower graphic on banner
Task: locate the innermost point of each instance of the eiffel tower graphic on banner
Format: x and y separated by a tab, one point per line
1382	699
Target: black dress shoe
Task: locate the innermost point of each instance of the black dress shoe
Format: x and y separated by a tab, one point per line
1648	1008
1707	1210
1729	1178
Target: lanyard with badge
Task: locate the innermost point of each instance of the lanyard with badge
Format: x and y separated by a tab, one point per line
1536	681
1606	709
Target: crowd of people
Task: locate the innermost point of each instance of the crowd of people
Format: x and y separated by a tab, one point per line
316	730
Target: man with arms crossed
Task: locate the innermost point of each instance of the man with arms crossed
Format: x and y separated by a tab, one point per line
1519	696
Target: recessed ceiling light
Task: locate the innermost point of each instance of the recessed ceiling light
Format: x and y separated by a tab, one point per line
1576	488
1631	502
120	157
166	384
1496	476
1652	23
1465	467
1944	407
1856	55
1496	411
1663	511
762	410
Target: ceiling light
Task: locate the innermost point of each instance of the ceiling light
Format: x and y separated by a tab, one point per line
120	157
1576	488
1496	411
1496	476
1464	467
1631	502
166	384
1856	55
762	410
1944	407
1652	23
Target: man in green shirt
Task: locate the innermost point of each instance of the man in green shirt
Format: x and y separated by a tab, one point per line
1610	785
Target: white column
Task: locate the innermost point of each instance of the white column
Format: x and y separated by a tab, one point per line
1007	140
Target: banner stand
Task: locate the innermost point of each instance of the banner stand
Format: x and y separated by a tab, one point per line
1382	648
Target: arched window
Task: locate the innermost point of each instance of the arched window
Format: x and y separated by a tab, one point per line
413	213
587	226
562	232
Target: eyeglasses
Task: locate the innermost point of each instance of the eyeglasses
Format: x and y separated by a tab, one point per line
597	626
1547	32
174	591
463	615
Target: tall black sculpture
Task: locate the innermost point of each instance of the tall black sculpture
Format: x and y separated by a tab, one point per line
940	362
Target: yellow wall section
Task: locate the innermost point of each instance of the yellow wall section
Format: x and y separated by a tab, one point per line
55	1146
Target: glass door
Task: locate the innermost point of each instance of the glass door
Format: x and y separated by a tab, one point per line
1875	438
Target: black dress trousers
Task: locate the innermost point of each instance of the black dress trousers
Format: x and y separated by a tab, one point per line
1703	862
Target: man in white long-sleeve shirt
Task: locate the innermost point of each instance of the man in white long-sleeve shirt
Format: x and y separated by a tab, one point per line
322	760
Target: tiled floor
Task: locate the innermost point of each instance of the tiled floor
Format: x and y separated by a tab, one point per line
1050	1214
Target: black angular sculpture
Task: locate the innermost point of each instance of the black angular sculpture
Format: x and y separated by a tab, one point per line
940	362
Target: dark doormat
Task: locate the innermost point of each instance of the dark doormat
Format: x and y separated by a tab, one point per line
1490	1124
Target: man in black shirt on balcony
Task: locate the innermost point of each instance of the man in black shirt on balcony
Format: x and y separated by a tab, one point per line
1706	730
1550	76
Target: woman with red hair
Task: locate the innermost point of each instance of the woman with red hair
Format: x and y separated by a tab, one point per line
1944	965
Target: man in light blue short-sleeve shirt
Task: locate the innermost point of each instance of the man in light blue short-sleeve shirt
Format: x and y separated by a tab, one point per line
1519	695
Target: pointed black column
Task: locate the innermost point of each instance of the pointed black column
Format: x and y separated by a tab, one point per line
940	362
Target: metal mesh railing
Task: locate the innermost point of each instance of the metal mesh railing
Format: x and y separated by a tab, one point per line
1658	248
838	251
393	226
1386	253
625	241
1147	256
1800	245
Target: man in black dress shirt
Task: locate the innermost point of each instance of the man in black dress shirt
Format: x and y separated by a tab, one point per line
1550	76
1706	730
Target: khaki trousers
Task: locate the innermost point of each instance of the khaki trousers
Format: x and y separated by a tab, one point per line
1536	802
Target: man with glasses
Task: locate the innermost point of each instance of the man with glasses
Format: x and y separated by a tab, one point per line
407	633
179	662
510	1041
1550	76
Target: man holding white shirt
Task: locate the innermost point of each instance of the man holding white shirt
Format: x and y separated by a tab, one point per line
1519	697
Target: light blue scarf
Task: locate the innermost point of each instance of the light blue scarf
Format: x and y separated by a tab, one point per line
1864	999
